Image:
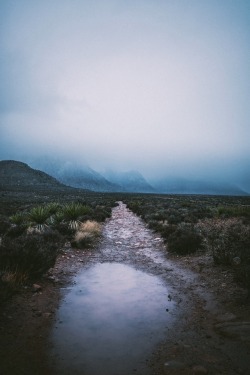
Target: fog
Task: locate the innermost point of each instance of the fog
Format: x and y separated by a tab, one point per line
158	86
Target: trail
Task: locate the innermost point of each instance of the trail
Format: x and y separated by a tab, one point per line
191	343
199	336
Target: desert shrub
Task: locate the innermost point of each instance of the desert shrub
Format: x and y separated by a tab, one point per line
234	211
87	234
18	218
155	225
73	212
38	217
167	230
53	208
174	218
4	226
226	239
100	213
31	254
16	230
91	227
185	240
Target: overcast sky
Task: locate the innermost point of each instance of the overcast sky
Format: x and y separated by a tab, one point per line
135	84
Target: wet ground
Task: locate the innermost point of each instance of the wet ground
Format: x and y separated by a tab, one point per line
145	312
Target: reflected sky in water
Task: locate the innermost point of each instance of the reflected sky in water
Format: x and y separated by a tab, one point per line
110	321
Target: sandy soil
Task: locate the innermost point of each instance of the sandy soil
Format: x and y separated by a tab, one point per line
211	330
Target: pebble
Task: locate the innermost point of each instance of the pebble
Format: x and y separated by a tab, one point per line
36	288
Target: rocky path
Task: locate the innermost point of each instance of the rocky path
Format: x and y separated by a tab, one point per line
205	338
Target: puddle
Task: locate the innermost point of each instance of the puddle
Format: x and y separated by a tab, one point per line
110	322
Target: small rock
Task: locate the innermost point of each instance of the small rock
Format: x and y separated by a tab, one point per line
199	370
36	288
47	315
50	271
173	365
236	261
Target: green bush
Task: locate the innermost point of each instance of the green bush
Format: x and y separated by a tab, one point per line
16	231
31	254
4	226
226	239
185	240
19	218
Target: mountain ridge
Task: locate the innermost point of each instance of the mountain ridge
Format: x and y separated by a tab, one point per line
17	174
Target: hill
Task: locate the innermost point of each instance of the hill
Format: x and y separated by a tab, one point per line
75	174
15	175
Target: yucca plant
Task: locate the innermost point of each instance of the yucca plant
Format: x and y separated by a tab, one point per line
53	207
18	218
38	218
56	219
72	212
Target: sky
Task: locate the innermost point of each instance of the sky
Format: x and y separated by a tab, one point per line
162	86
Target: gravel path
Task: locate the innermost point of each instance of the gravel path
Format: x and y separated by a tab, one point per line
208	335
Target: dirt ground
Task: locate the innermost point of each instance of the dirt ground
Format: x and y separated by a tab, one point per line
211	329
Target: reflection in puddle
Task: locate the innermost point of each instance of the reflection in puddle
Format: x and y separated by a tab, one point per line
110	322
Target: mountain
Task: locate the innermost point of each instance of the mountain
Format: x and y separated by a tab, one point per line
85	177
131	181
82	176
15	175
75	175
184	186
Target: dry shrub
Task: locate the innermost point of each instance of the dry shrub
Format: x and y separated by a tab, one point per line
29	254
91	227
227	239
87	234
14	277
184	240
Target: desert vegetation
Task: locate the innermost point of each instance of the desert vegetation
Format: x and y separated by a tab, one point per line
215	225
32	237
33	228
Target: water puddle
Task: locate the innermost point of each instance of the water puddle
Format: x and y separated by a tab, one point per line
110	322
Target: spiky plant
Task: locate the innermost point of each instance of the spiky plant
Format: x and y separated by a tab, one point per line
56	219
53	207
38	217
72	212
18	218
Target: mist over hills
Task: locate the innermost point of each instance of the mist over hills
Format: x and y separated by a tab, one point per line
55	173
131	181
74	174
186	186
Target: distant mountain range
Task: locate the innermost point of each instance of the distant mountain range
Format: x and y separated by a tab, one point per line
131	181
54	174
84	177
185	186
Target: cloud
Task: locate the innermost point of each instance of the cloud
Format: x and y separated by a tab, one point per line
143	84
